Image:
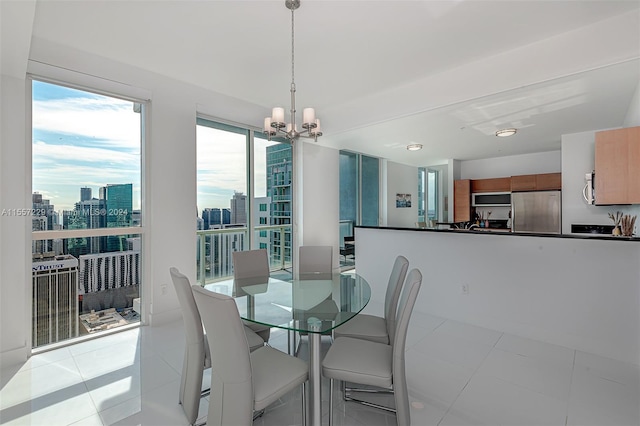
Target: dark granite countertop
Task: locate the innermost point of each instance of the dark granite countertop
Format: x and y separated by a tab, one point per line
502	232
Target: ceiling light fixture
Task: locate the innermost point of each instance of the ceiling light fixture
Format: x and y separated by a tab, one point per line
506	132
414	147
275	125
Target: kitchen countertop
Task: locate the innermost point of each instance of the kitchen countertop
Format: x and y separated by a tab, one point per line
505	232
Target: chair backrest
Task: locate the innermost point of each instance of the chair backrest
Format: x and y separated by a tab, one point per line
250	264
394	287
190	314
196	354
349	238
421	225
405	307
231	401
315	260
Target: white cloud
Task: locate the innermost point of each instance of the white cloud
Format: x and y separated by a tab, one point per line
108	119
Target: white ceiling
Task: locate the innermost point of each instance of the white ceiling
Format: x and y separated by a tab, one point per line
382	74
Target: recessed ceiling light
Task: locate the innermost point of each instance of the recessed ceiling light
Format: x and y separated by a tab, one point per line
506	132
414	147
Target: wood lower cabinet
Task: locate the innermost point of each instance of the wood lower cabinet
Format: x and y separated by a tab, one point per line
617	166
462	200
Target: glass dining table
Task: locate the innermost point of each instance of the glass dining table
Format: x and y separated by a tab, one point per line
313	304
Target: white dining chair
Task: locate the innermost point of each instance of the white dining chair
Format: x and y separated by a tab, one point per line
252	265
376	328
197	356
316	263
243	382
376	364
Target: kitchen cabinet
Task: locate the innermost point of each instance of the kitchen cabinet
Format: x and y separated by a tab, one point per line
462	200
548	181
502	184
539	182
617	166
523	183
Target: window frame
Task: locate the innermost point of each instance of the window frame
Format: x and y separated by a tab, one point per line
79	81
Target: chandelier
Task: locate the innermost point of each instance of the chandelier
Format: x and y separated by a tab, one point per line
275	125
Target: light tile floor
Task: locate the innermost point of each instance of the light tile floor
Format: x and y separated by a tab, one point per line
458	374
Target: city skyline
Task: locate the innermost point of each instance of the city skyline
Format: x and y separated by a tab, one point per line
82	139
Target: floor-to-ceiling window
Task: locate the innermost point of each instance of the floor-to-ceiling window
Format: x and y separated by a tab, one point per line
86	212
359	195
432	194
243	195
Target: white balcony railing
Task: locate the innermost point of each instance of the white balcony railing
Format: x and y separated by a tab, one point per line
215	248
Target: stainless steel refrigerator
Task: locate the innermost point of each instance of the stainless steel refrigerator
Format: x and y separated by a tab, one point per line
536	212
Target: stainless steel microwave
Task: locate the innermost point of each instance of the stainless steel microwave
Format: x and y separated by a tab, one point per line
491	199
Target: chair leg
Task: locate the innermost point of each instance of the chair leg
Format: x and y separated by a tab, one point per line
304	404
366	390
348	397
330	402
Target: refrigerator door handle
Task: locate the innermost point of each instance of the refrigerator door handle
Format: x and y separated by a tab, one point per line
584	193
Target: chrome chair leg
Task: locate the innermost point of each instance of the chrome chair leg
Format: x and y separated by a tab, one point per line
366	390
330	402
304	404
347	396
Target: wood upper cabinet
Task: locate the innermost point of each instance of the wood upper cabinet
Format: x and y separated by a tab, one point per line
523	183
502	184
539	182
548	181
462	200
617	165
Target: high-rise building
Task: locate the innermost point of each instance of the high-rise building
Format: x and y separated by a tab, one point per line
44	218
105	271
212	218
85	193
279	189
226	216
118	199
55	299
238	209
262	217
119	204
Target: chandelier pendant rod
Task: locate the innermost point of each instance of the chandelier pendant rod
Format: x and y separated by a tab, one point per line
293	133
276	125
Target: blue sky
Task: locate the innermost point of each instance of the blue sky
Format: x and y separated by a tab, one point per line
84	139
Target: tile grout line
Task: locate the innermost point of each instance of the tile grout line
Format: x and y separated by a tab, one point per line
471	377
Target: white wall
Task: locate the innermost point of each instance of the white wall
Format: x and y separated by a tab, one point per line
401	179
170	179
543	162
633	114
317	221
577	160
15	322
581	294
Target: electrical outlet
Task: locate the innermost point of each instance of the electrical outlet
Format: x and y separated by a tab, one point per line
163	289
464	289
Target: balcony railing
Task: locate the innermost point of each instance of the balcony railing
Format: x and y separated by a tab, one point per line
215	248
